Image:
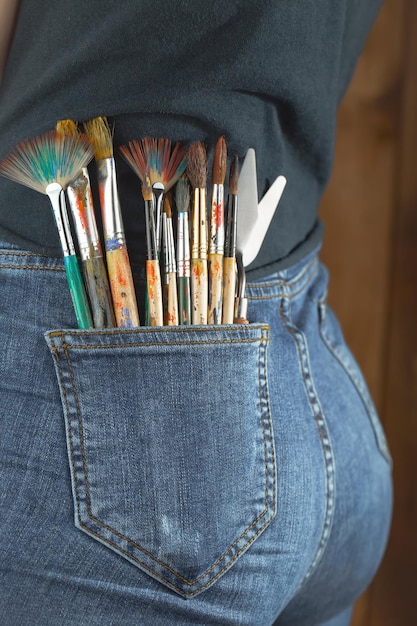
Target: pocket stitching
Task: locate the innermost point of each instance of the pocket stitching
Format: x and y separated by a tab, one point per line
323	432
265	408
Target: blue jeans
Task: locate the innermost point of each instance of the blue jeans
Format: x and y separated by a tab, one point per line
186	475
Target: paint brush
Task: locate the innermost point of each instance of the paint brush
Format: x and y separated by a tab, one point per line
118	265
229	261
170	267
163	162
182	198
197	175
216	244
92	263
47	163
153	275
241	302
163	165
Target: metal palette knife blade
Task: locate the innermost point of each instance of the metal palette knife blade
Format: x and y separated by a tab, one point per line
255	218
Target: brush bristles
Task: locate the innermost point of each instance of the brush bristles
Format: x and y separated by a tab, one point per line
197	165
219	162
101	137
168	206
51	157
146	188
234	176
165	165
66	127
135	157
182	195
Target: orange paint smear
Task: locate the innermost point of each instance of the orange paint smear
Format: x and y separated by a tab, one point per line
217	214
81	209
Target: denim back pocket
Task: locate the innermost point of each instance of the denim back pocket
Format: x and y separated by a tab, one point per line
170	444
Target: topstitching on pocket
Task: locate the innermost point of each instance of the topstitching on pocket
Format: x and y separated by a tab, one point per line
170	444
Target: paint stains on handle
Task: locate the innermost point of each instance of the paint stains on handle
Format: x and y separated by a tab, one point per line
154	287
122	287
199	291
98	290
229	289
215	297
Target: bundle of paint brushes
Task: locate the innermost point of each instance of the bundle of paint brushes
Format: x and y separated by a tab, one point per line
190	259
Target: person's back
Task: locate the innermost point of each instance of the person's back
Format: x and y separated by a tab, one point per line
240	467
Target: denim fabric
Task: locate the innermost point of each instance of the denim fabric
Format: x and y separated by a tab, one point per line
207	475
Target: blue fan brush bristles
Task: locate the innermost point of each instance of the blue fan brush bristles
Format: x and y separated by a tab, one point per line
49	158
164	163
48	163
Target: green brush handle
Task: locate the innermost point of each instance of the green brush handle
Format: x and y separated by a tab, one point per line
184	300
77	290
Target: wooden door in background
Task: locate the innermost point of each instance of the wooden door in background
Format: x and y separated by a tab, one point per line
370	247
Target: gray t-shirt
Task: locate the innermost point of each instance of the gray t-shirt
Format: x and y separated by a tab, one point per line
267	74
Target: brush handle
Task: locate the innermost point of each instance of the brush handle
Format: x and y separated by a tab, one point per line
122	287
154	290
241	302
184	300
215	281
98	289
77	290
171	300
199	291
229	289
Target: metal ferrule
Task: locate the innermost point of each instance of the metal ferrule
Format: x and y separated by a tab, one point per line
151	247
110	204
91	218
57	197
241	308
241	302
165	247
183	246
203	225
216	245
171	247
195	225
158	192
78	193
231	227
168	246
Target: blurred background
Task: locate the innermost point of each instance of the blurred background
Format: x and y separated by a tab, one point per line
370	213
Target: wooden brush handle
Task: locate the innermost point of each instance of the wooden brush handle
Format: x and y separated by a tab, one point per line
199	291
98	289
122	288
171	301
154	290
229	288
215	295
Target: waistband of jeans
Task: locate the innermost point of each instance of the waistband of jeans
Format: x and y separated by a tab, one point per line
286	283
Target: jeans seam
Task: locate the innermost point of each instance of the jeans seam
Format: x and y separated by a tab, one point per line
156	344
13	252
143	330
287	283
319	418
32	267
70	435
287	287
360	388
263	341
